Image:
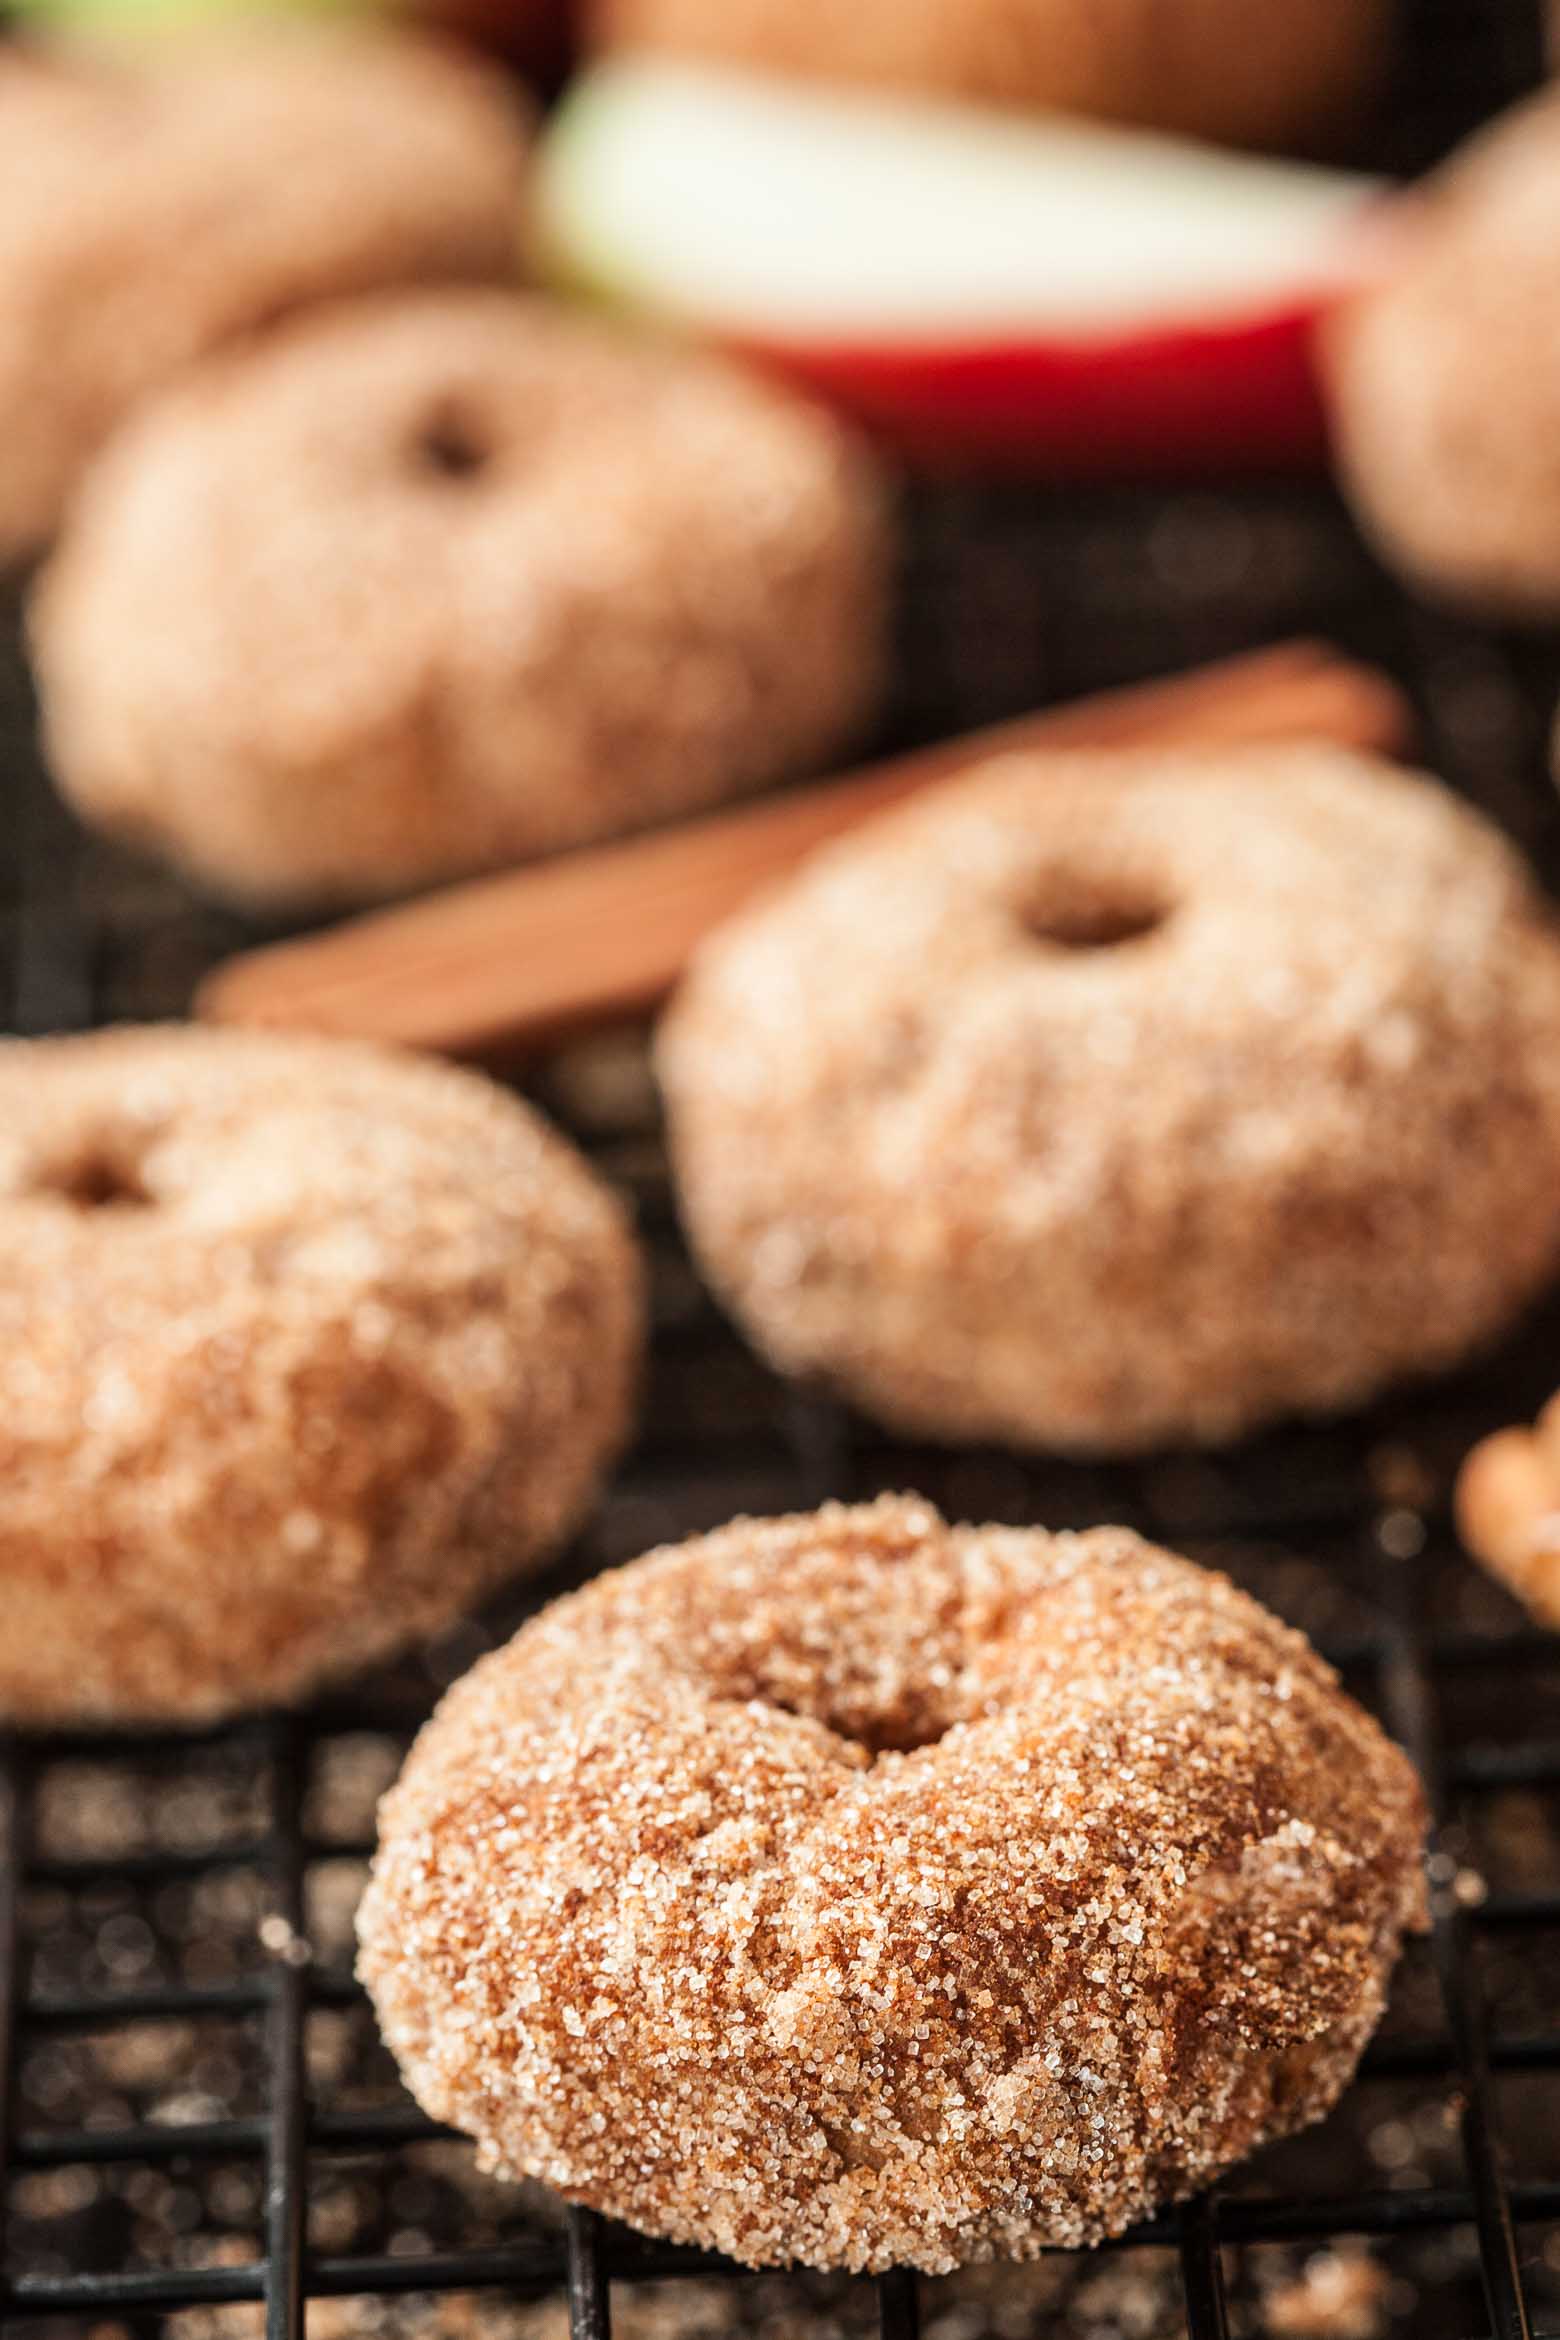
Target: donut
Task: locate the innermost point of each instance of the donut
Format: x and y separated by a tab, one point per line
304	1349
1444	377
152	209
1100	1102
1289	70
856	1890
448	580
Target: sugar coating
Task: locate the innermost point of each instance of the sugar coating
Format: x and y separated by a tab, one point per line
858	1890
153	208
453	579
1445	376
1294	1141
303	1349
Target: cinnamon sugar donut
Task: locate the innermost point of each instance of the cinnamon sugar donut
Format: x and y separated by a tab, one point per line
861	1891
450	580
1445	378
1260	76
1102	1101
153	208
304	1348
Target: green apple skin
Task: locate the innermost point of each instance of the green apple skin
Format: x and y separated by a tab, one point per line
532	35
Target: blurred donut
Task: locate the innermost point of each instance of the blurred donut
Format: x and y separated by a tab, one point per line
448	580
153	208
1444	378
304	1350
1257	76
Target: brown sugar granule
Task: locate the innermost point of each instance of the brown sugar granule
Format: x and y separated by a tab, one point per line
857	1890
1107	1101
304	1348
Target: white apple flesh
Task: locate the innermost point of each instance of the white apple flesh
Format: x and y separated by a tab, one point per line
1034	290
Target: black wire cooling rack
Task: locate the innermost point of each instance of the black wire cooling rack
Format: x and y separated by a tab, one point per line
199	2133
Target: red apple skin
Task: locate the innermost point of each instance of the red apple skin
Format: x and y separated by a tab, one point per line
1233	396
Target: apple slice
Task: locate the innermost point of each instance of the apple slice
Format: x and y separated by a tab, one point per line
1034	291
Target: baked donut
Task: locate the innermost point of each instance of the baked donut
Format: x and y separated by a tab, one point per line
449	580
1444	377
1265	76
862	1891
1104	1101
304	1349
151	209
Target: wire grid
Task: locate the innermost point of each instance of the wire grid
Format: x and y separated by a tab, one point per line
1009	598
90	939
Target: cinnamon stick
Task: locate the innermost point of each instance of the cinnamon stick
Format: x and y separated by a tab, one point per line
502	964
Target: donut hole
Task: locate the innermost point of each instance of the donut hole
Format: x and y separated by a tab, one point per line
1101	914
453	444
904	1734
100	1178
900	1730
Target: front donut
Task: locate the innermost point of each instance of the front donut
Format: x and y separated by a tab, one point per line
860	1891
